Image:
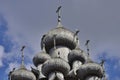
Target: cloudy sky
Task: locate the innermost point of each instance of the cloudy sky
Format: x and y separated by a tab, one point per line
23	22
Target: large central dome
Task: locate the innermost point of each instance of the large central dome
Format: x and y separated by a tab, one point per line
64	37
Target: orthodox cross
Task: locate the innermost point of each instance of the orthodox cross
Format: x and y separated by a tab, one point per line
22	55
58	12
86	44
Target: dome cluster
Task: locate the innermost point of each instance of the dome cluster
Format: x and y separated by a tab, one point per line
62	56
61	59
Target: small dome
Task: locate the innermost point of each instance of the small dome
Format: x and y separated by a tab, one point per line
64	37
22	74
90	69
55	64
40	58
77	54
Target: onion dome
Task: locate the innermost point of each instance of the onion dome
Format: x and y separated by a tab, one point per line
77	54
90	69
22	74
40	58
56	64
64	37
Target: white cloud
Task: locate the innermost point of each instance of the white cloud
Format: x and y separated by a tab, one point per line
1	55
11	66
117	65
117	78
107	76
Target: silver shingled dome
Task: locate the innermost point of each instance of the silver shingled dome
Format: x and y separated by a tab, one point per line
22	74
77	54
40	58
64	37
55	64
90	69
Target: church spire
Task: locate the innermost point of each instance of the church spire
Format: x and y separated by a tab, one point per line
58	12
86	44
59	16
22	56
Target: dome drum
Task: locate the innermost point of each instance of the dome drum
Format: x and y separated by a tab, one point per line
76	55
60	52
56	76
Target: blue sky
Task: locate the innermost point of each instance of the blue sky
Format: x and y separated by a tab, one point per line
23	22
